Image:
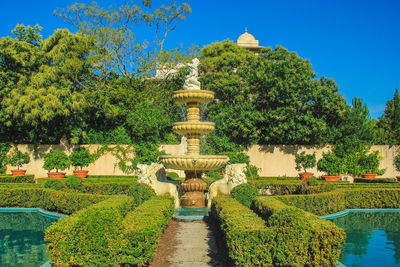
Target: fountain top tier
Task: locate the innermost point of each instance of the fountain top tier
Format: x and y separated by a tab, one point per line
193	96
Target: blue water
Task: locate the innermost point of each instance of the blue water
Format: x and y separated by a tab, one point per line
191	213
373	238
22	238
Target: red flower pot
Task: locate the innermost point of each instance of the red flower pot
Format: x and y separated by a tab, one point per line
305	175
331	178
81	173
368	175
18	172
56	175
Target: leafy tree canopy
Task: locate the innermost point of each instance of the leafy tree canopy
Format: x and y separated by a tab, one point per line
389	122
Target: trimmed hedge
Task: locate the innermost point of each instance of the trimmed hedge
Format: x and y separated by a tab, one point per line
325	238
340	199
288	237
375	181
289	187
48	199
17	179
108	188
142	230
109	233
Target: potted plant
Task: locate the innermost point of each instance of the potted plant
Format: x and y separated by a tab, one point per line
17	159
332	165
303	162
397	165
80	157
56	160
369	165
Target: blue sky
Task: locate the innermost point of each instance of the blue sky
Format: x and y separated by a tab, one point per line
355	42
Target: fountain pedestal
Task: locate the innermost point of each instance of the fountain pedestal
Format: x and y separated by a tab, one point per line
194	187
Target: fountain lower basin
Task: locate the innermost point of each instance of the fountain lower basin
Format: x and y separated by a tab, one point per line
193	162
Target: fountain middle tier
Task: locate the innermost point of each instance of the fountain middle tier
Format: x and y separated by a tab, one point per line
200	127
194	162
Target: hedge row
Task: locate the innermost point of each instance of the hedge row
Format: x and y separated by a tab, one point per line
109	233
106	188
17	179
340	199
290	187
325	238
288	237
48	199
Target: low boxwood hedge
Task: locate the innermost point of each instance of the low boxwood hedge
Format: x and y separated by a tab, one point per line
48	199
17	179
341	199
325	238
142	230
289	187
109	233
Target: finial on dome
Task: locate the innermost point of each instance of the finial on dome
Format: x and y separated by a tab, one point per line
245	29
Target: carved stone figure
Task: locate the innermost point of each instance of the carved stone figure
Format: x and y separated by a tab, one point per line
154	175
192	82
234	176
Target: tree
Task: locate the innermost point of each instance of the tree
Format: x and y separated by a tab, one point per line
389	122
118	48
270	98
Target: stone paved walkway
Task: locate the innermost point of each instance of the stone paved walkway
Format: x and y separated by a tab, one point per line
192	244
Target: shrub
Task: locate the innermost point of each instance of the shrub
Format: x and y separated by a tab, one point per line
305	161
81	157
107	188
173	176
142	229
54	184
17	179
370	163
397	162
91	236
331	164
57	160
141	192
245	194
74	182
17	158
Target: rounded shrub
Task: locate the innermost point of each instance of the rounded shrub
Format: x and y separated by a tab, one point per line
245	194
74	182
173	176
141	192
54	184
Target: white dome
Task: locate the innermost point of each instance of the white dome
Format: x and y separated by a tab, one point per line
247	40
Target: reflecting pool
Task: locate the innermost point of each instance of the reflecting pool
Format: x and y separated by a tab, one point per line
373	238
22	238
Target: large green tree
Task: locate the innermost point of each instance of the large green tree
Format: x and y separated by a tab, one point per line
389	122
272	97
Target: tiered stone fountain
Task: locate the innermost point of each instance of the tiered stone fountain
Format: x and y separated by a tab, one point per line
193	164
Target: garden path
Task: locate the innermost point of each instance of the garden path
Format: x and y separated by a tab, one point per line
188	244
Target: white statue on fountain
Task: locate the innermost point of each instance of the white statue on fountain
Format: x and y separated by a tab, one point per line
192	82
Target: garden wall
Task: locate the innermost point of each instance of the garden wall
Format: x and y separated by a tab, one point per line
273	160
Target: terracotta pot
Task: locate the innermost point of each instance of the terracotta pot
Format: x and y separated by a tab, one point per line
81	173
331	178
305	175
56	175
398	178
18	172
221	174
368	175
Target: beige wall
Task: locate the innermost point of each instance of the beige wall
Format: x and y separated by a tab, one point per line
273	160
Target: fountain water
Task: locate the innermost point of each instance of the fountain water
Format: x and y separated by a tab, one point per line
193	164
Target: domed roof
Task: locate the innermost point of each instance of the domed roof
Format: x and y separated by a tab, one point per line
247	40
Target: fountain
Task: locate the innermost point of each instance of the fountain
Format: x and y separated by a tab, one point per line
193	164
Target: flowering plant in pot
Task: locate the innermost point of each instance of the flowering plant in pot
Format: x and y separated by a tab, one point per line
80	157
303	162
332	165
56	160
17	159
369	165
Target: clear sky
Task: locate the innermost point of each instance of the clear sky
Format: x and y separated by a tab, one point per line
355	42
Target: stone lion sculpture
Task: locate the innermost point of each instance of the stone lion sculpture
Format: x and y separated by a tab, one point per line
154	175
234	176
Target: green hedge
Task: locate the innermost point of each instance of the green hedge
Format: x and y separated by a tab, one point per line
106	188
375	181
340	199
289	187
142	230
325	238
109	233
17	179
288	237
48	199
